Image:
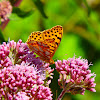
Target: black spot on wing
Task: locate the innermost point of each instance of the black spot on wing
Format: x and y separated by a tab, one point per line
53	38
39	33
56	43
59	38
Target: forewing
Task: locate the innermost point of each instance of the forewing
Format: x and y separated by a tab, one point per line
53	38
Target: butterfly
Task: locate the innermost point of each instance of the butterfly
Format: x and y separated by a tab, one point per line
46	42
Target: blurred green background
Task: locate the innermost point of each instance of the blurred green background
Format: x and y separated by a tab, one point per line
81	24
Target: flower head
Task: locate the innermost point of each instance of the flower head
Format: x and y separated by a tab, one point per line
15	53
21	96
43	93
24	78
5	10
22	73
75	76
5	61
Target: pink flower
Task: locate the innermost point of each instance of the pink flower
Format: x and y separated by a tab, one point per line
75	75
24	78
43	93
21	96
22	73
5	10
14	53
5	61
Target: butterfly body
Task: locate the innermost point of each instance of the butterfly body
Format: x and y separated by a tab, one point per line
46	42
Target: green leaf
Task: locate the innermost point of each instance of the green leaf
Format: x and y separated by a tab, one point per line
39	6
89	9
21	13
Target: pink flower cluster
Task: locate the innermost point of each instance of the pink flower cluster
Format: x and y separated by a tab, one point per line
75	76
24	78
14	53
21	96
4	59
22	74
5	10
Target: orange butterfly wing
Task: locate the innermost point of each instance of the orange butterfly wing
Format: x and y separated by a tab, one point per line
45	43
